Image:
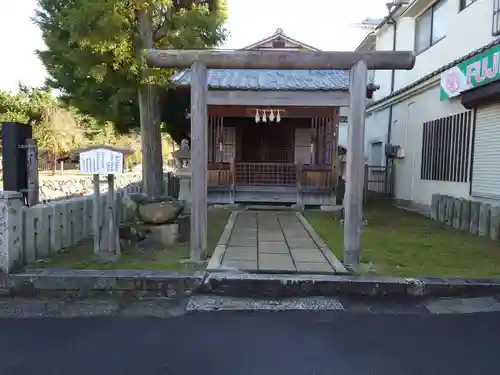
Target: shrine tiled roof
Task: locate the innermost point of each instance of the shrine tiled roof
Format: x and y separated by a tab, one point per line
270	79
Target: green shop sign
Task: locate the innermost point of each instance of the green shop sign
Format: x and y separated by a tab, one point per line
474	72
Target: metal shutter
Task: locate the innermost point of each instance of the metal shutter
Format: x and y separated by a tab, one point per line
486	158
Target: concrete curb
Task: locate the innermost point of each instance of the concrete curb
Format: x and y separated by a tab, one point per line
95	283
67	283
219	251
280	286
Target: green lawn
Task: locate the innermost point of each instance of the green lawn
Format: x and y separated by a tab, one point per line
401	243
80	257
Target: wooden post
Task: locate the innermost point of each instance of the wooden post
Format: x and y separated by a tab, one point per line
33	186
230	59
299	182
335	149
366	179
151	145
61	164
97	214
199	124
353	201
113	240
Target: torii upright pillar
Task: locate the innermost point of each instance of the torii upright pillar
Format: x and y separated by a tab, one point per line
199	144
358	62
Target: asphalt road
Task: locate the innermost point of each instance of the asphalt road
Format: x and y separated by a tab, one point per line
254	343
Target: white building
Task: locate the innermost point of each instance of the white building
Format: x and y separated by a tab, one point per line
445	113
369	25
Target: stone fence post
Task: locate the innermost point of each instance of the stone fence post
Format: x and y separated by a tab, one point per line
11	231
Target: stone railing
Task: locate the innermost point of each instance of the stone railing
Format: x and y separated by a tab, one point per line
475	217
51	189
31	233
28	234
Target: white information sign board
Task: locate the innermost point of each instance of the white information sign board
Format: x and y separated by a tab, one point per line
101	161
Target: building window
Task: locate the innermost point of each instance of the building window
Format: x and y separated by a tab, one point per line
446	148
496	18
376	154
430	27
343	119
462	4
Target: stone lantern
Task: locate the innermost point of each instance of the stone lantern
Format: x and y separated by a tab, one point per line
182	158
183	155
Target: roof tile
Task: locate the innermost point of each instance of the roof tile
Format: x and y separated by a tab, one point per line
271	79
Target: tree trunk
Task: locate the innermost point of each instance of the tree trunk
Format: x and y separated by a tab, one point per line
151	147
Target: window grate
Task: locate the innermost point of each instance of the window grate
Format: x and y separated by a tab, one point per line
495	25
446	148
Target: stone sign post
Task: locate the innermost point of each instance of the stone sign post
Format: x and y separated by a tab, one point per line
32	164
108	161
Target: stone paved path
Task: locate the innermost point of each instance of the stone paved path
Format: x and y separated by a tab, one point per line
275	241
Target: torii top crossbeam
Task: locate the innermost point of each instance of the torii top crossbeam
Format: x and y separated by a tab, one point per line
237	59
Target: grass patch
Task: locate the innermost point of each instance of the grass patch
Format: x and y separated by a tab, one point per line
400	243
80	256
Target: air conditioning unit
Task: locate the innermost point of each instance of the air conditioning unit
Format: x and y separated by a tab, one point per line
391	151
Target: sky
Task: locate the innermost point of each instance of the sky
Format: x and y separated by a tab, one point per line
325	24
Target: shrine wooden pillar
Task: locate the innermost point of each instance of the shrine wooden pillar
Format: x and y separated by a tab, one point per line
335	151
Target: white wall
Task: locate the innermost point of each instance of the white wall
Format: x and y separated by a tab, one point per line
343	111
466	31
383	77
375	129
408	118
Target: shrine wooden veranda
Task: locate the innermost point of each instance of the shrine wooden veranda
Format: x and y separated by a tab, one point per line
294	160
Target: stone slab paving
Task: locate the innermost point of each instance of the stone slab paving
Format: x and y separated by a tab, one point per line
273	242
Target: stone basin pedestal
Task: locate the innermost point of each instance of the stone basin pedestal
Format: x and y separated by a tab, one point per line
105	257
184	222
158	219
163	234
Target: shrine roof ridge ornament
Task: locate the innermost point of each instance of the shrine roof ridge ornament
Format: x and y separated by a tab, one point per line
258	59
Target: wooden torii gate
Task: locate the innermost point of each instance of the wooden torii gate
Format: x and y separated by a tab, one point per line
357	62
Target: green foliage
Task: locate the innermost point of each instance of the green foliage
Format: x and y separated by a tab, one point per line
59	128
94	54
26	104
